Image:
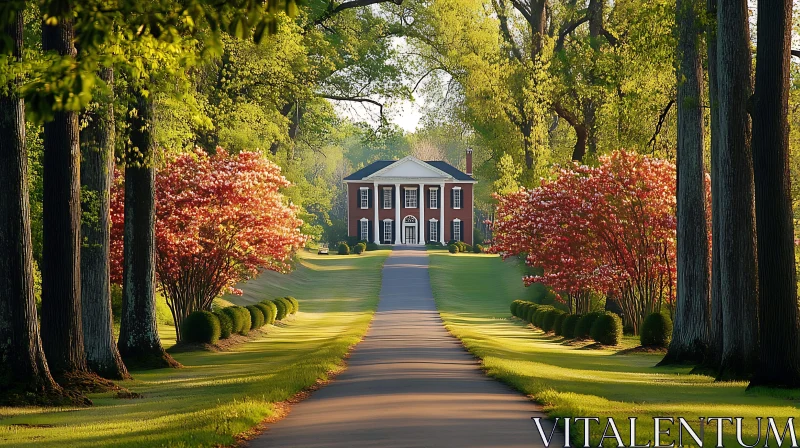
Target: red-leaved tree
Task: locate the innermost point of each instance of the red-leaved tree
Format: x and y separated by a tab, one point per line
220	219
608	229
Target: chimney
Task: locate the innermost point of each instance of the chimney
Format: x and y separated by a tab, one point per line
469	161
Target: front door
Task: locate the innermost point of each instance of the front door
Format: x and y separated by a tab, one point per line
411	235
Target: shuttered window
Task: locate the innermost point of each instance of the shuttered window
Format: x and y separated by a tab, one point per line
387	231
387	198
457	230
433	230
433	195
364	230
365	198
456	198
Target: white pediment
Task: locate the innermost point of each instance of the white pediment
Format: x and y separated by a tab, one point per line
409	167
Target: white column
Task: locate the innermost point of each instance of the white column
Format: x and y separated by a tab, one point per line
398	226
375	202
441	213
421	198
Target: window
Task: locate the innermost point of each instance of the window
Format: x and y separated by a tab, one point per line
411	198
457	229
433	198
387	231
387	198
364	235
456	198
364	197
433	230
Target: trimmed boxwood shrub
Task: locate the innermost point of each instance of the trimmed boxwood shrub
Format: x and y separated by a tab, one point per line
453	249
344	249
360	248
549	320
237	323
281	308
532	308
295	304
568	327
273	309
288	304
656	330
247	321
225	324
372	246
607	329
515	307
200	327
558	326
478	249
257	317
266	311
538	316
584	326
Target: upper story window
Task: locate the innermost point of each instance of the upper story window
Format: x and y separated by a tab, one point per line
387	198
457	197
364	197
433	198
411	198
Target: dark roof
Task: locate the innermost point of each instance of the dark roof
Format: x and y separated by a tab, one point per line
381	164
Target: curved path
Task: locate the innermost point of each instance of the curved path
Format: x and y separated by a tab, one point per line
409	383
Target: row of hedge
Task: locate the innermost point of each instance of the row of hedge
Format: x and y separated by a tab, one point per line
459	246
604	327
358	248
209	327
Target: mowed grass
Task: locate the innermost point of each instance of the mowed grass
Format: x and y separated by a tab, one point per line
221	394
473	294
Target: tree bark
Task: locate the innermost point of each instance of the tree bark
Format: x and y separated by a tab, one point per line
690	336
139	342
778	364
713	358
23	367
62	332
737	241
97	167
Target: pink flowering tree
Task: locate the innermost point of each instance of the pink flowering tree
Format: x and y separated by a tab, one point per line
608	229
220	219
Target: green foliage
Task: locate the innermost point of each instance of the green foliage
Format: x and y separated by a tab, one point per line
246	318
273	311
236	318
478	249
344	249
282	309
568	326
530	312
515	306
372	246
295	304
225	324
584	326
360	248
201	327
257	317
656	330
267	312
453	248
539	315
549	320
607	328
288	305
558	325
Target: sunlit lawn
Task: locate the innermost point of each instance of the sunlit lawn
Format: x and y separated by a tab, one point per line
473	294
219	395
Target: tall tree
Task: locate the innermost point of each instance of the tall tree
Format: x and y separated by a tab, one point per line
713	357
690	335
62	332
97	167
23	367
139	342
737	240
779	363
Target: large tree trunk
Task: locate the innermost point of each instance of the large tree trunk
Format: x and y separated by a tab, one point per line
737	240
713	357
690	337
23	367
779	364
97	167
62	332
139	342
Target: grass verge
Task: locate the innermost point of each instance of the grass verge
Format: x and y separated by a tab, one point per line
219	395
473	294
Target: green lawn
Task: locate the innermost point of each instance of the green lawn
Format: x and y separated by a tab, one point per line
473	294
219	395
